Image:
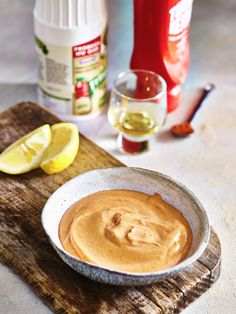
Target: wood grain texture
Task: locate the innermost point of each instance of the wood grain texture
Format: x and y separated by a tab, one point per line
25	248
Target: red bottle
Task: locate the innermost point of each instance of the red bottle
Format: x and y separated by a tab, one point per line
161	43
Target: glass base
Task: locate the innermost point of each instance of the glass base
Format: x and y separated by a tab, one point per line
130	146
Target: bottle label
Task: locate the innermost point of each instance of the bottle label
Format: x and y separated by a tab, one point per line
61	71
180	15
178	48
82	106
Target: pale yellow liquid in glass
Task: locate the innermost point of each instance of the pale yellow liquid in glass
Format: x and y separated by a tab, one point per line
136	123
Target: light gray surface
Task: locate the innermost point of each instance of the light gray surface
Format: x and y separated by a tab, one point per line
205	162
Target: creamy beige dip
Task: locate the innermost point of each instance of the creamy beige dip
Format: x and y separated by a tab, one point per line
126	230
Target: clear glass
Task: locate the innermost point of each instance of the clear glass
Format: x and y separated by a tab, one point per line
137	109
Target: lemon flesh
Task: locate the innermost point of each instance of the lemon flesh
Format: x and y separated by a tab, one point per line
63	149
26	153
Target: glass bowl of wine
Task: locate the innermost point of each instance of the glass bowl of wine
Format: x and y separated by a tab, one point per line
137	109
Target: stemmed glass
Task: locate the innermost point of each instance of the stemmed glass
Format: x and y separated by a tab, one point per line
137	109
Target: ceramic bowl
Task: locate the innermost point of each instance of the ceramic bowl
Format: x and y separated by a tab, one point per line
131	179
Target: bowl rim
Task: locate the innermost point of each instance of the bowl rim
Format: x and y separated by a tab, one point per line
162	273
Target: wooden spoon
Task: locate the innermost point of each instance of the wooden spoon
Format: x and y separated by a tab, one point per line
183	129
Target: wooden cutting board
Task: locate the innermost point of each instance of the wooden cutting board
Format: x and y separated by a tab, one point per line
25	248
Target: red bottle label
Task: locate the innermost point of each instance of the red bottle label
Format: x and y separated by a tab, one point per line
179	17
90	48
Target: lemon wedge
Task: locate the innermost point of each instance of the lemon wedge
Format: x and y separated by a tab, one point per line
63	149
26	153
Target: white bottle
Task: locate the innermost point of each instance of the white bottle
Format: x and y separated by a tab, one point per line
71	45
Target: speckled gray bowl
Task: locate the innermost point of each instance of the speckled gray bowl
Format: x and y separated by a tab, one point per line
131	179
